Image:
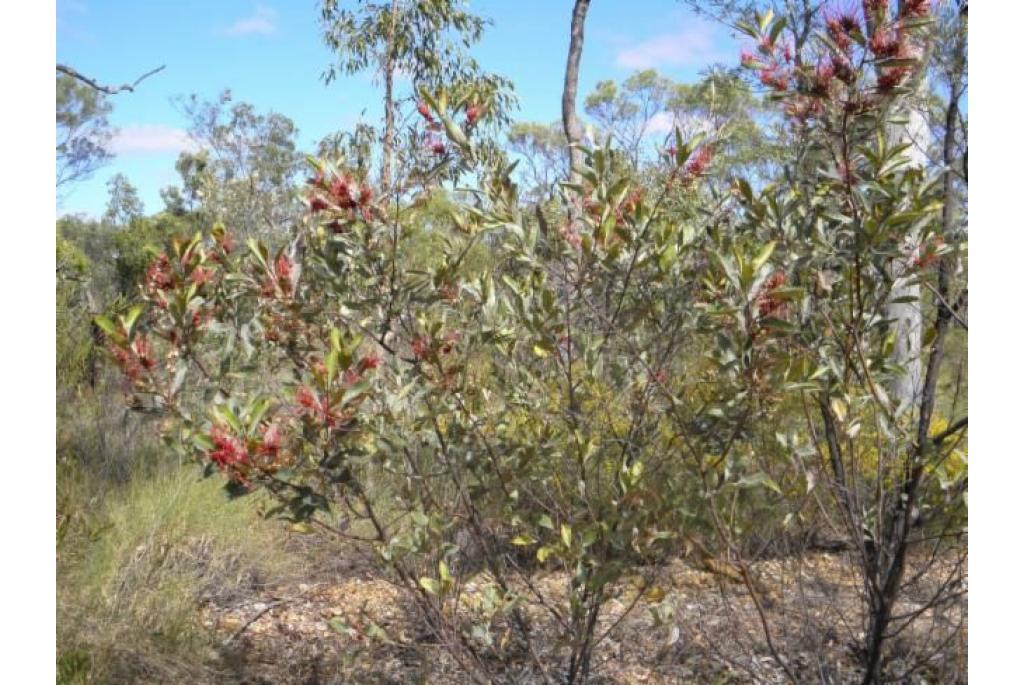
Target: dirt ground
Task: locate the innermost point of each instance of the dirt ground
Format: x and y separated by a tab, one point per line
688	626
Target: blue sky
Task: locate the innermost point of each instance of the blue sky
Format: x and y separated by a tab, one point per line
271	54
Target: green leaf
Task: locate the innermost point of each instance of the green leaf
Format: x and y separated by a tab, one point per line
225	412
429	584
354	391
566	535
108	327
763	256
777	29
668	257
132	316
759	479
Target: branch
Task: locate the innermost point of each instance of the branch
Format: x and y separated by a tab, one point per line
109	90
955	428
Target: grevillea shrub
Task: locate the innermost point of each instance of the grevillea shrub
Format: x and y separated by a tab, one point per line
654	374
501	421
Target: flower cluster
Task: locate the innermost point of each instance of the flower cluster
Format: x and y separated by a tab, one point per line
425	346
888	45
134	359
768	304
928	253
159	276
628	206
343	193
432	141
319	408
772	61
228	450
698	161
279	281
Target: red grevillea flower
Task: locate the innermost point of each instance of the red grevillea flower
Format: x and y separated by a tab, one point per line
448	291
915	8
226	242
873	7
838	33
307	399
774	78
886	42
823	75
424	111
283	269
317	203
127	361
698	161
892	77
144	352
201	275
572	236
270	440
420	347
227	450
341	193
448	341
767	303
843	69
849	22
472	114
434	145
365	195
928	253
370	361
159	275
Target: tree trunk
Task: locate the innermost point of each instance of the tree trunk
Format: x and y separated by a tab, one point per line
905	390
906	314
389	103
570	122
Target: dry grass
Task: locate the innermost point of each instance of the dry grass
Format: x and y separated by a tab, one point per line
136	562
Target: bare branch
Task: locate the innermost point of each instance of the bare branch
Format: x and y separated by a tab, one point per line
109	90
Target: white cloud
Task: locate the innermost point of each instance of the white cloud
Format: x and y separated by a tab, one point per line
662	122
150	139
696	45
262	22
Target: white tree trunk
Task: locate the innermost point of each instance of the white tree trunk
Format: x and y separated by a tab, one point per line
907	316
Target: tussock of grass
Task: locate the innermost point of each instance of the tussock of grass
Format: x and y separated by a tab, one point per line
136	562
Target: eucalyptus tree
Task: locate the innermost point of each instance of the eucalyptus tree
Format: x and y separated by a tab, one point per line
244	167
83	131
424	41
